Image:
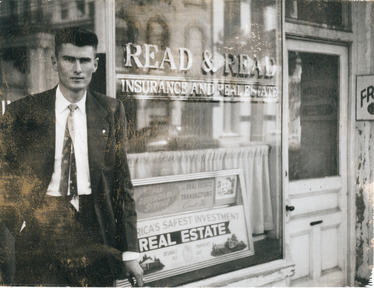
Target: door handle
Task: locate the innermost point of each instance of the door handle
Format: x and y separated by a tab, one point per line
290	208
316	222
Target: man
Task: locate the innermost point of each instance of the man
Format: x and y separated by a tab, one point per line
63	153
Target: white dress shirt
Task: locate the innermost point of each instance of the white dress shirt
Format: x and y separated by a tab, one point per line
81	153
80	147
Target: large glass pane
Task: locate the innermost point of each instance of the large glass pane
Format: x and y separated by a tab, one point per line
313	115
200	81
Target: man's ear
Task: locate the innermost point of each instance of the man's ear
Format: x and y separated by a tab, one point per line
96	64
54	62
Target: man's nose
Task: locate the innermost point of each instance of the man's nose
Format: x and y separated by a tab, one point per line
77	66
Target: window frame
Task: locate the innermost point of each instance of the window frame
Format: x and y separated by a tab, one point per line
346	18
270	267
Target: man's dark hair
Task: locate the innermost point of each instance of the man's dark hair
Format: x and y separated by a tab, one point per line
77	36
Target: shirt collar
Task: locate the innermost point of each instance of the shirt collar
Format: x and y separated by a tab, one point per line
62	103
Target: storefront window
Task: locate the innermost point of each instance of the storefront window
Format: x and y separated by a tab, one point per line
200	81
201	84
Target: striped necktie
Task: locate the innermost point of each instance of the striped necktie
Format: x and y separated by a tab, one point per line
68	164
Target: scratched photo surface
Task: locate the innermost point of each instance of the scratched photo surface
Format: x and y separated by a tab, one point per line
235	137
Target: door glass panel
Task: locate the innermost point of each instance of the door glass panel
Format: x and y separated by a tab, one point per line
313	115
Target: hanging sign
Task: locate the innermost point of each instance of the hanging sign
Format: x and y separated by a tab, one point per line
191	221
365	97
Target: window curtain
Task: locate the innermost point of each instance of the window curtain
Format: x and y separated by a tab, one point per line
253	160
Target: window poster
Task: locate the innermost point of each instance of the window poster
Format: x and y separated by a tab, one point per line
191	221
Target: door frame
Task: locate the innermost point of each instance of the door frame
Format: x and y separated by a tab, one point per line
347	148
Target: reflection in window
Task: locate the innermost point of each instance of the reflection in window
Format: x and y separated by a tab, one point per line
232	30
81	7
127	31
194	3
27	29
329	13
26	10
232	118
157	32
233	34
195	39
39	11
14	64
64	10
13	7
232	18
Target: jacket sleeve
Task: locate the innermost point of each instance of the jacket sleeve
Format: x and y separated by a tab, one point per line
123	198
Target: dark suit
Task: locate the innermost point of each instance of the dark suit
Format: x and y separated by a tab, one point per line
28	150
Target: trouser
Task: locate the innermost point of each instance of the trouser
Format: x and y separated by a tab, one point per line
63	247
7	257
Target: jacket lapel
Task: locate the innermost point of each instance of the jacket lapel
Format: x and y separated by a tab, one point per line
51	127
97	138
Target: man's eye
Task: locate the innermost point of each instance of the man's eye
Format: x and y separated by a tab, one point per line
84	60
69	59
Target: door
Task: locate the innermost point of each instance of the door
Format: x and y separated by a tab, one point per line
315	162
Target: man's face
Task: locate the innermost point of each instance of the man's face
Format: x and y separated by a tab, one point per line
75	66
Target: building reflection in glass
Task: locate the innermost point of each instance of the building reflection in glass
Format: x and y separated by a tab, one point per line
227	29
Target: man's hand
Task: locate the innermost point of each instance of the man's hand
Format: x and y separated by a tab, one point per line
133	269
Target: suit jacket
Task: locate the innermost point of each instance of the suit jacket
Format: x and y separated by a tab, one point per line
27	161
